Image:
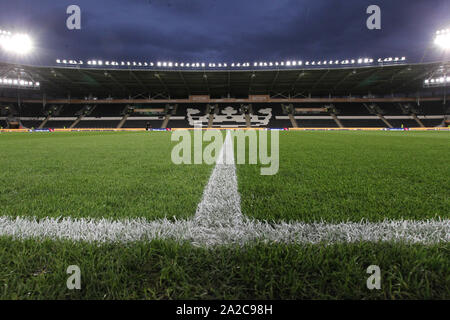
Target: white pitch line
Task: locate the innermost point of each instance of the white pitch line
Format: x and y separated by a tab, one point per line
219	221
221	203
132	230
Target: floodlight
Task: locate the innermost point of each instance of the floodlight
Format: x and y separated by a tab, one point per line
443	39
20	44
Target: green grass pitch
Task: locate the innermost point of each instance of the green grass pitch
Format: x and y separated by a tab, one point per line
350	176
323	176
97	175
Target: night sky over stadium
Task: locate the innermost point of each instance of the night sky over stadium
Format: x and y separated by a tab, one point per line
226	30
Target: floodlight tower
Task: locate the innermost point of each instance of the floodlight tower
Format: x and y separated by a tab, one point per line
18	44
442	39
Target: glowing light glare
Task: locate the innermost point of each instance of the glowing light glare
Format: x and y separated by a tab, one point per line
19	83
442	39
20	44
438	81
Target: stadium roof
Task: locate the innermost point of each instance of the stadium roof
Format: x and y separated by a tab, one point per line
61	82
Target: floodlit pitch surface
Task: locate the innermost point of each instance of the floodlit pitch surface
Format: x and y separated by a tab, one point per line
350	176
128	179
96	175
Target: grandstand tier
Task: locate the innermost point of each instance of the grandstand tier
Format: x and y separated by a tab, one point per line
349	97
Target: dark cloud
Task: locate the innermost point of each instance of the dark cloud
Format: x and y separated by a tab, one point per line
226	30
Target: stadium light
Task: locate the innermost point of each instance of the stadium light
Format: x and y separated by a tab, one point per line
437	82
442	39
20	44
19	83
256	64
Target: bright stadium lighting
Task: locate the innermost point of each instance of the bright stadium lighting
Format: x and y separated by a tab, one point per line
20	44
19	83
442	39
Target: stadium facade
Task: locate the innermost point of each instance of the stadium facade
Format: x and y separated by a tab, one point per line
376	96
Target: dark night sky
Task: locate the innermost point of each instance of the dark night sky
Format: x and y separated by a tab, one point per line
226	30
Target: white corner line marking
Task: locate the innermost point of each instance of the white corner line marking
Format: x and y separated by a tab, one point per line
219	221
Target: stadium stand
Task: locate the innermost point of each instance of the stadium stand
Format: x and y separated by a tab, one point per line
275	98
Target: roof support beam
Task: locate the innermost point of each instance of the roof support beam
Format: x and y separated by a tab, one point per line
227	100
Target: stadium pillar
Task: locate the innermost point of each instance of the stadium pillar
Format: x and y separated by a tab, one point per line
122	122
293	121
165	122
417	120
382	118
336	119
45	121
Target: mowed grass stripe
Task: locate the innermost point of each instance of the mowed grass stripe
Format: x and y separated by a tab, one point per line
167	270
97	175
351	176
